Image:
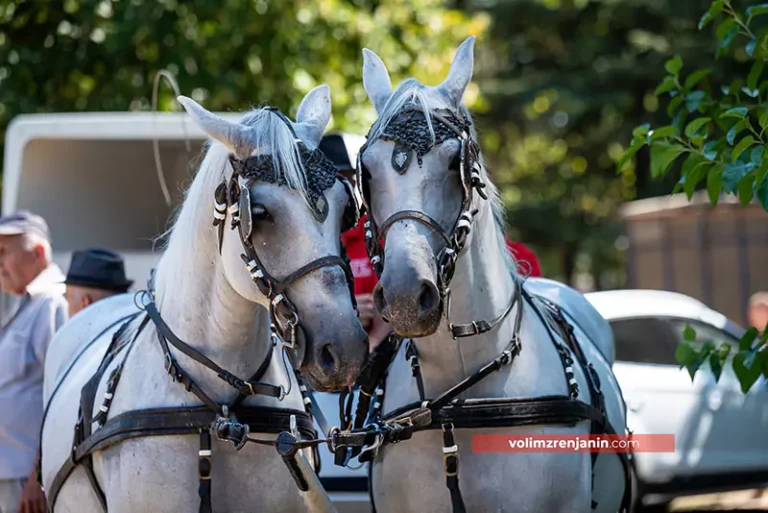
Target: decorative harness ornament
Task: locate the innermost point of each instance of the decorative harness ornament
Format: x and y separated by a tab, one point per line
369	430
229	422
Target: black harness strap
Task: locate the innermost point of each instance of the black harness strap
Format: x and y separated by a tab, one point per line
451	468
204	471
244	387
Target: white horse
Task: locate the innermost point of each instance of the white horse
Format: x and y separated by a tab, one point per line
425	186
288	206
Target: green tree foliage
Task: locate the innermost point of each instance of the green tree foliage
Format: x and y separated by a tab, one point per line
102	55
564	82
717	134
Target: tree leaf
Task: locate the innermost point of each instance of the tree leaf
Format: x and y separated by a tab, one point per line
714	9
746	375
745	189
694	175
662	132
735	129
673	105
689	334
750	47
762	194
710	150
726	41
756	10
668	84
685	354
693	100
732	175
724	27
715	183
736	112
641	130
763	120
745	143
716	366
747	339
754	74
674	65
662	156
760	177
756	156
636	145
694	126
695	77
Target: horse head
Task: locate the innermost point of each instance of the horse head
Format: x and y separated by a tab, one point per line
417	174
279	211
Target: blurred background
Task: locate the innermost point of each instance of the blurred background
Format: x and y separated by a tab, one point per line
558	87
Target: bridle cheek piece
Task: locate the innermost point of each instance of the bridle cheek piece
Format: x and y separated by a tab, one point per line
409	131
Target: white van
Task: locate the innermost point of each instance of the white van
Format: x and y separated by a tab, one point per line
93	177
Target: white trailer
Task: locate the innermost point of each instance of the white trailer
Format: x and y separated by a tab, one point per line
93	177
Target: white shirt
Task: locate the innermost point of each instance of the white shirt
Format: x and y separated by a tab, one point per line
24	342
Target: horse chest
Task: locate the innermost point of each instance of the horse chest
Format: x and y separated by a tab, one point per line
409	477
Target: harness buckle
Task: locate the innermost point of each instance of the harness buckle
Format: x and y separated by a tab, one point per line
451	461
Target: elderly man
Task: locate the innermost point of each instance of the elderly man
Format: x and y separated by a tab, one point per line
26	270
94	274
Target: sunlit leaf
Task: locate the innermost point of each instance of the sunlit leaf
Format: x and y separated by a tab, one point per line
668	84
745	143
756	10
662	156
674	65
715	183
662	132
715	9
694	126
736	112
745	189
693	100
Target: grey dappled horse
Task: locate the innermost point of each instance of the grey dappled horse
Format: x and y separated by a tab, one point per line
257	234
468	317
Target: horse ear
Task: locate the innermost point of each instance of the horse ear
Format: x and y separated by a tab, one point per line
232	135
458	78
376	80
314	113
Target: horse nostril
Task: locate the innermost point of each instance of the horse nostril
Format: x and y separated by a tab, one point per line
428	297
378	298
327	357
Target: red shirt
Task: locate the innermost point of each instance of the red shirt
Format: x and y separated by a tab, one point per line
354	241
365	278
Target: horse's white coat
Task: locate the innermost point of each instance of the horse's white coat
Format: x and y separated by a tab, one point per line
209	301
409	477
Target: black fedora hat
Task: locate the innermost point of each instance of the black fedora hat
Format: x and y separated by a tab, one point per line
99	269
334	148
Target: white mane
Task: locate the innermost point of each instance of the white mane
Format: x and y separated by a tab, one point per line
412	91
191	240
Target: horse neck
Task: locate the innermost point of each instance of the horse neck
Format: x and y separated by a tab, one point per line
481	288
209	315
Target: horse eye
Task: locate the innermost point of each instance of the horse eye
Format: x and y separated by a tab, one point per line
259	213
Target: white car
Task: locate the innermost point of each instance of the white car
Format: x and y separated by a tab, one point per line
721	440
721	434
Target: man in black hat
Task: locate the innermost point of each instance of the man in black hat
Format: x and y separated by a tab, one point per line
94	274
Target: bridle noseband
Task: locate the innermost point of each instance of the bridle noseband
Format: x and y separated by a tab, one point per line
409	131
233	198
